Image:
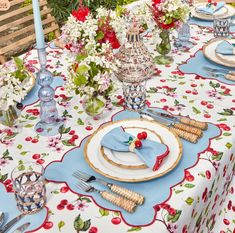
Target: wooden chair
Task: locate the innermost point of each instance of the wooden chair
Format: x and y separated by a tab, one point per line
17	27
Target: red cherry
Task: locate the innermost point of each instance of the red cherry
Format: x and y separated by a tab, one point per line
64	202
48	225
208	174
72	132
233	208
207	115
71	141
163	100
64	189
210	106
40	161
7	182
60	207
144	135
157	208
116	220
89	127
194	85
226	221
93	230
70	207
172	211
204	103
75	137
138	144
188	91
189	178
119	97
36	156
35	140
28	139
139	136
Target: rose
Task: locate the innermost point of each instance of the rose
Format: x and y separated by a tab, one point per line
81	13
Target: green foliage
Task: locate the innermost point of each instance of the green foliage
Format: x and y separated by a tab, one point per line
21	72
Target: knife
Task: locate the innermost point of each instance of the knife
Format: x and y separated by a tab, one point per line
21	228
193	138
181	119
11	223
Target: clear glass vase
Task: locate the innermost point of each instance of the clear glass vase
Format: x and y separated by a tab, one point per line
164	48
10	116
94	106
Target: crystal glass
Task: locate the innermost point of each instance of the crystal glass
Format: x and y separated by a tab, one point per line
221	27
134	95
29	186
164	48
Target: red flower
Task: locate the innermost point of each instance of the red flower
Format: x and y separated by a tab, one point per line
167	26
110	36
81	13
155	2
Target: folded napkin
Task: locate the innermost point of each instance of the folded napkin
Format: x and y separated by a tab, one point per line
225	48
210	9
151	153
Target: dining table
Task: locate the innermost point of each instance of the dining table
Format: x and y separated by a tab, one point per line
197	195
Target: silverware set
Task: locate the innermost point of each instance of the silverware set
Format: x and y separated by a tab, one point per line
5	228
123	198
217	73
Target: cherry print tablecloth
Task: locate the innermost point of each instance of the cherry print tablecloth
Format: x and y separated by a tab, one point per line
203	202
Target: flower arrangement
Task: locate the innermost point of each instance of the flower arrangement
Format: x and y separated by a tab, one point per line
169	14
12	86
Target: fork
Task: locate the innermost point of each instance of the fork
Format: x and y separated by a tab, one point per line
119	201
133	196
218	70
220	75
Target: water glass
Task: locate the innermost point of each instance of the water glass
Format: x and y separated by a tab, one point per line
221	27
134	95
29	186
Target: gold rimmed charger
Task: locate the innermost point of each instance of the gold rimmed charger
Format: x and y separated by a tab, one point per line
129	160
96	161
209	51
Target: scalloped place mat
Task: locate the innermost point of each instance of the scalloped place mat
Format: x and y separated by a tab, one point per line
9	208
156	191
195	64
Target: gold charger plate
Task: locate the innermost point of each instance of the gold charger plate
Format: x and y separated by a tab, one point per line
96	161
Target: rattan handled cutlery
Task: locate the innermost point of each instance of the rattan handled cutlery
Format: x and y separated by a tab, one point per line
130	195
119	201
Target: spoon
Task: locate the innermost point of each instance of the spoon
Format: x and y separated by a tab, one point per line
2	216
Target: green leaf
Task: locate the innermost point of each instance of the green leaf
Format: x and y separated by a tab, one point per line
178	191
80	57
218	157
21	167
226	112
182	83
222	119
80	122
24	153
61	224
32	118
12	136
82	69
199	220
103	212
227	134
176	102
28	126
228	145
86	199
67	130
99	36
197	111
19	147
87	225
78	223
5	154
3	177
19	63
189	186
189	200
134	229
80	80
174	218
55	192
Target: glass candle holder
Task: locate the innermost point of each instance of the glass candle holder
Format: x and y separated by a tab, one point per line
221	27
134	95
29	186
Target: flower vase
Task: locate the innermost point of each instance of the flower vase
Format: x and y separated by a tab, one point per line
8	117
94	106
164	48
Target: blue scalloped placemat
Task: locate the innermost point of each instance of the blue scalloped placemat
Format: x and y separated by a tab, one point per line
155	191
8	206
195	66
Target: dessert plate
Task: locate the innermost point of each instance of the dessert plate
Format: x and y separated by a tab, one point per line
209	52
97	162
128	160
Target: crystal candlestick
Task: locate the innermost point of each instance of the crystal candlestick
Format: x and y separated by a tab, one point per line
49	122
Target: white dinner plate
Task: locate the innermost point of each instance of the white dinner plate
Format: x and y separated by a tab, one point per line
97	162
209	52
128	160
224	12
